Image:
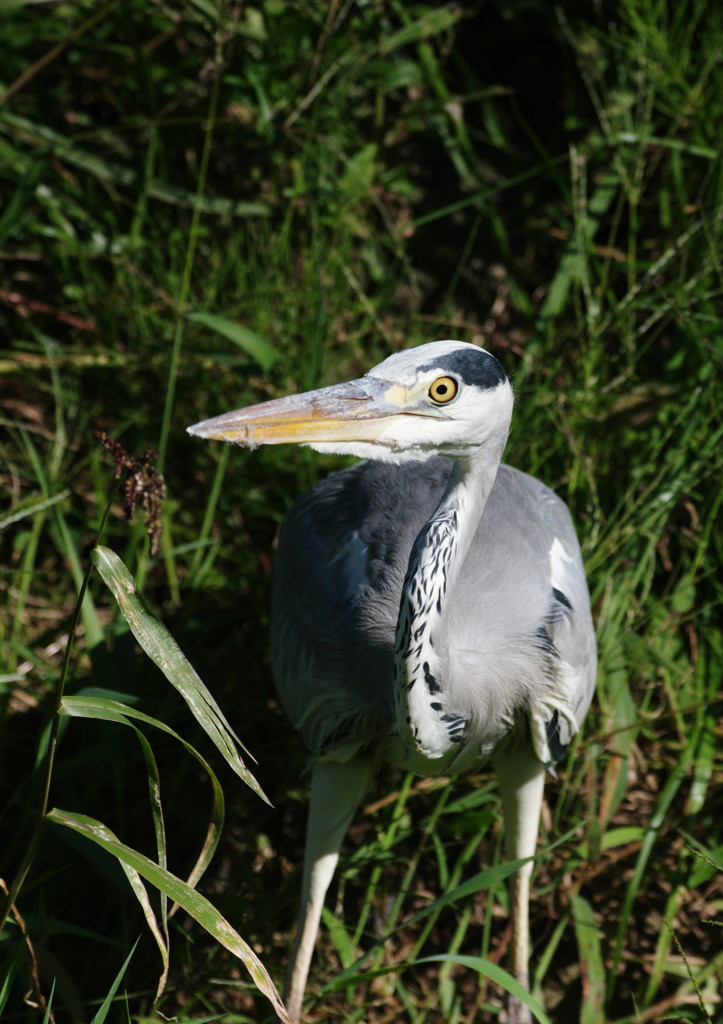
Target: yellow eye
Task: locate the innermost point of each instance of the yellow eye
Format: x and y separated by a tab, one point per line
443	390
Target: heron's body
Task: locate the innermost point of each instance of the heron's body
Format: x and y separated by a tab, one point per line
430	606
520	642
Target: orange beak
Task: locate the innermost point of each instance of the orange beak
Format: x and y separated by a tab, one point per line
354	411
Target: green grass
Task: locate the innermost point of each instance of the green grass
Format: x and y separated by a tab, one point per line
204	205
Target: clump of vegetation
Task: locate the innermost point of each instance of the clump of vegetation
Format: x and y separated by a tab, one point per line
207	204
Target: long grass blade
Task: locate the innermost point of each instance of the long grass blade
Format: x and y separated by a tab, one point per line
496	974
593	979
108	710
102	1013
196	905
634	886
140	892
243	337
163	650
158	926
487	878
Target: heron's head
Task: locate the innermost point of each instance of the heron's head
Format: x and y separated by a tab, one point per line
445	398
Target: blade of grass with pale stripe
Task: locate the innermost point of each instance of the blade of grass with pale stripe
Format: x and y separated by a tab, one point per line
105	710
196	905
163	650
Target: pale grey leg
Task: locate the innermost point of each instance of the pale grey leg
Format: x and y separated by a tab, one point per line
521	779
336	791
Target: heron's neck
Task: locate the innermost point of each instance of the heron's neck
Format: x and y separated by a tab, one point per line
427	716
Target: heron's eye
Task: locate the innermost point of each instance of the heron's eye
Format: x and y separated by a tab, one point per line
443	390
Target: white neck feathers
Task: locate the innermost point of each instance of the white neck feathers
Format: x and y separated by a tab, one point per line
429	719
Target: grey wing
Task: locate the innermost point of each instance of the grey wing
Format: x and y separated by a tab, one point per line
340	565
522	624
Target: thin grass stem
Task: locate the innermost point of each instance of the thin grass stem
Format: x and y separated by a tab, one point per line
48	763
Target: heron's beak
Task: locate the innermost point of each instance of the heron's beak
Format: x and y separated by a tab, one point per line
356	411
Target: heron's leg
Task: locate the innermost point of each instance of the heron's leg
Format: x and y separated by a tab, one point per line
521	779
336	790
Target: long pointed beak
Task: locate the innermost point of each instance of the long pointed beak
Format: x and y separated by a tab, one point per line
354	411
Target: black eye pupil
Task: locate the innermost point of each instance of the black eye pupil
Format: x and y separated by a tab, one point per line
441	389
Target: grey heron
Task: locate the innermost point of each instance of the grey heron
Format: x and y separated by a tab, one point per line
430	606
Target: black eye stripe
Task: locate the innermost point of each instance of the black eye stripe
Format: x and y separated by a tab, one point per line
472	366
